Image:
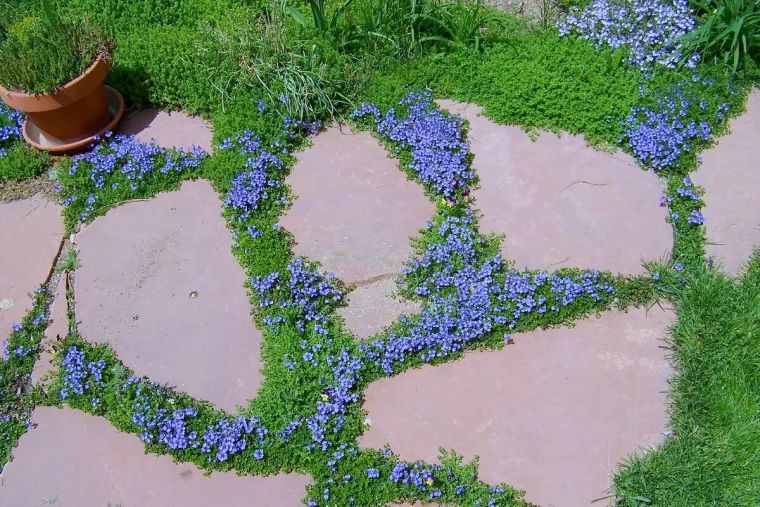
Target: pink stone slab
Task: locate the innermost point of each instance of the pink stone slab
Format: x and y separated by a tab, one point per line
140	264
729	173
372	307
83	461
31	232
172	129
552	414
561	203
355	209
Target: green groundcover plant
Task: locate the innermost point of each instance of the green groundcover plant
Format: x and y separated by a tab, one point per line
42	50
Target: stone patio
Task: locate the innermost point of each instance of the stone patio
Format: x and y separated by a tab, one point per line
730	177
355	212
552	414
82	461
561	203
31	235
159	283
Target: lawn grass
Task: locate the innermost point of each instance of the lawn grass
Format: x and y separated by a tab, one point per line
713	454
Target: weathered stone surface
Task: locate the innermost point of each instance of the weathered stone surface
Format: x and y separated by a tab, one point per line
169	129
372	307
355	209
552	414
158	282
561	203
31	232
729	173
82	461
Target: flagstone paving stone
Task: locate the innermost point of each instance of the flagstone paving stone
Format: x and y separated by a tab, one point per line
82	461
170	129
355	212
31	232
729	174
551	414
159	283
372	307
561	203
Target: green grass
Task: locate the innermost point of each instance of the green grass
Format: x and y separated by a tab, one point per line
713	455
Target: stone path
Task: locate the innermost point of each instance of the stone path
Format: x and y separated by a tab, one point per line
561	203
79	460
159	283
31	232
729	173
355	213
552	414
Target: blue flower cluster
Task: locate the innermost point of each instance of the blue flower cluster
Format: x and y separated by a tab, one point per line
10	127
467	298
311	295
692	200
228	436
333	406
126	156
422	477
434	139
661	134
250	187
648	28
78	375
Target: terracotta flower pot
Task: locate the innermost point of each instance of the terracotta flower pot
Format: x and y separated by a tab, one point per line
76	111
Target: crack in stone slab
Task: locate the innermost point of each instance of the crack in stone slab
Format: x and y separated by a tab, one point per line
371	280
585	183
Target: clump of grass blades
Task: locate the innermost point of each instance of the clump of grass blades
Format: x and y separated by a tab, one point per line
42	52
323	22
459	23
712	456
729	33
255	53
391	25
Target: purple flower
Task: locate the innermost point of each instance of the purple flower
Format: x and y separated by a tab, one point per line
648	28
434	139
696	217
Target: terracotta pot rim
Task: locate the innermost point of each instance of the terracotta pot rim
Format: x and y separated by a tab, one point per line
116	111
99	61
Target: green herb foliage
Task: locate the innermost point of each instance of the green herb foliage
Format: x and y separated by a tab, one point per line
44	51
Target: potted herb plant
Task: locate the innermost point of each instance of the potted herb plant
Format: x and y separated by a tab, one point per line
52	68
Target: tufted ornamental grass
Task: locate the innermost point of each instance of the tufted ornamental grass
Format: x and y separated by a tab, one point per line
729	33
712	456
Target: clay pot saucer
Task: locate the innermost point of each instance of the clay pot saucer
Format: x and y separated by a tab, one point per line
36	138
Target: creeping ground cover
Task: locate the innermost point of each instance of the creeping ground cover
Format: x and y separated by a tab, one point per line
269	76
